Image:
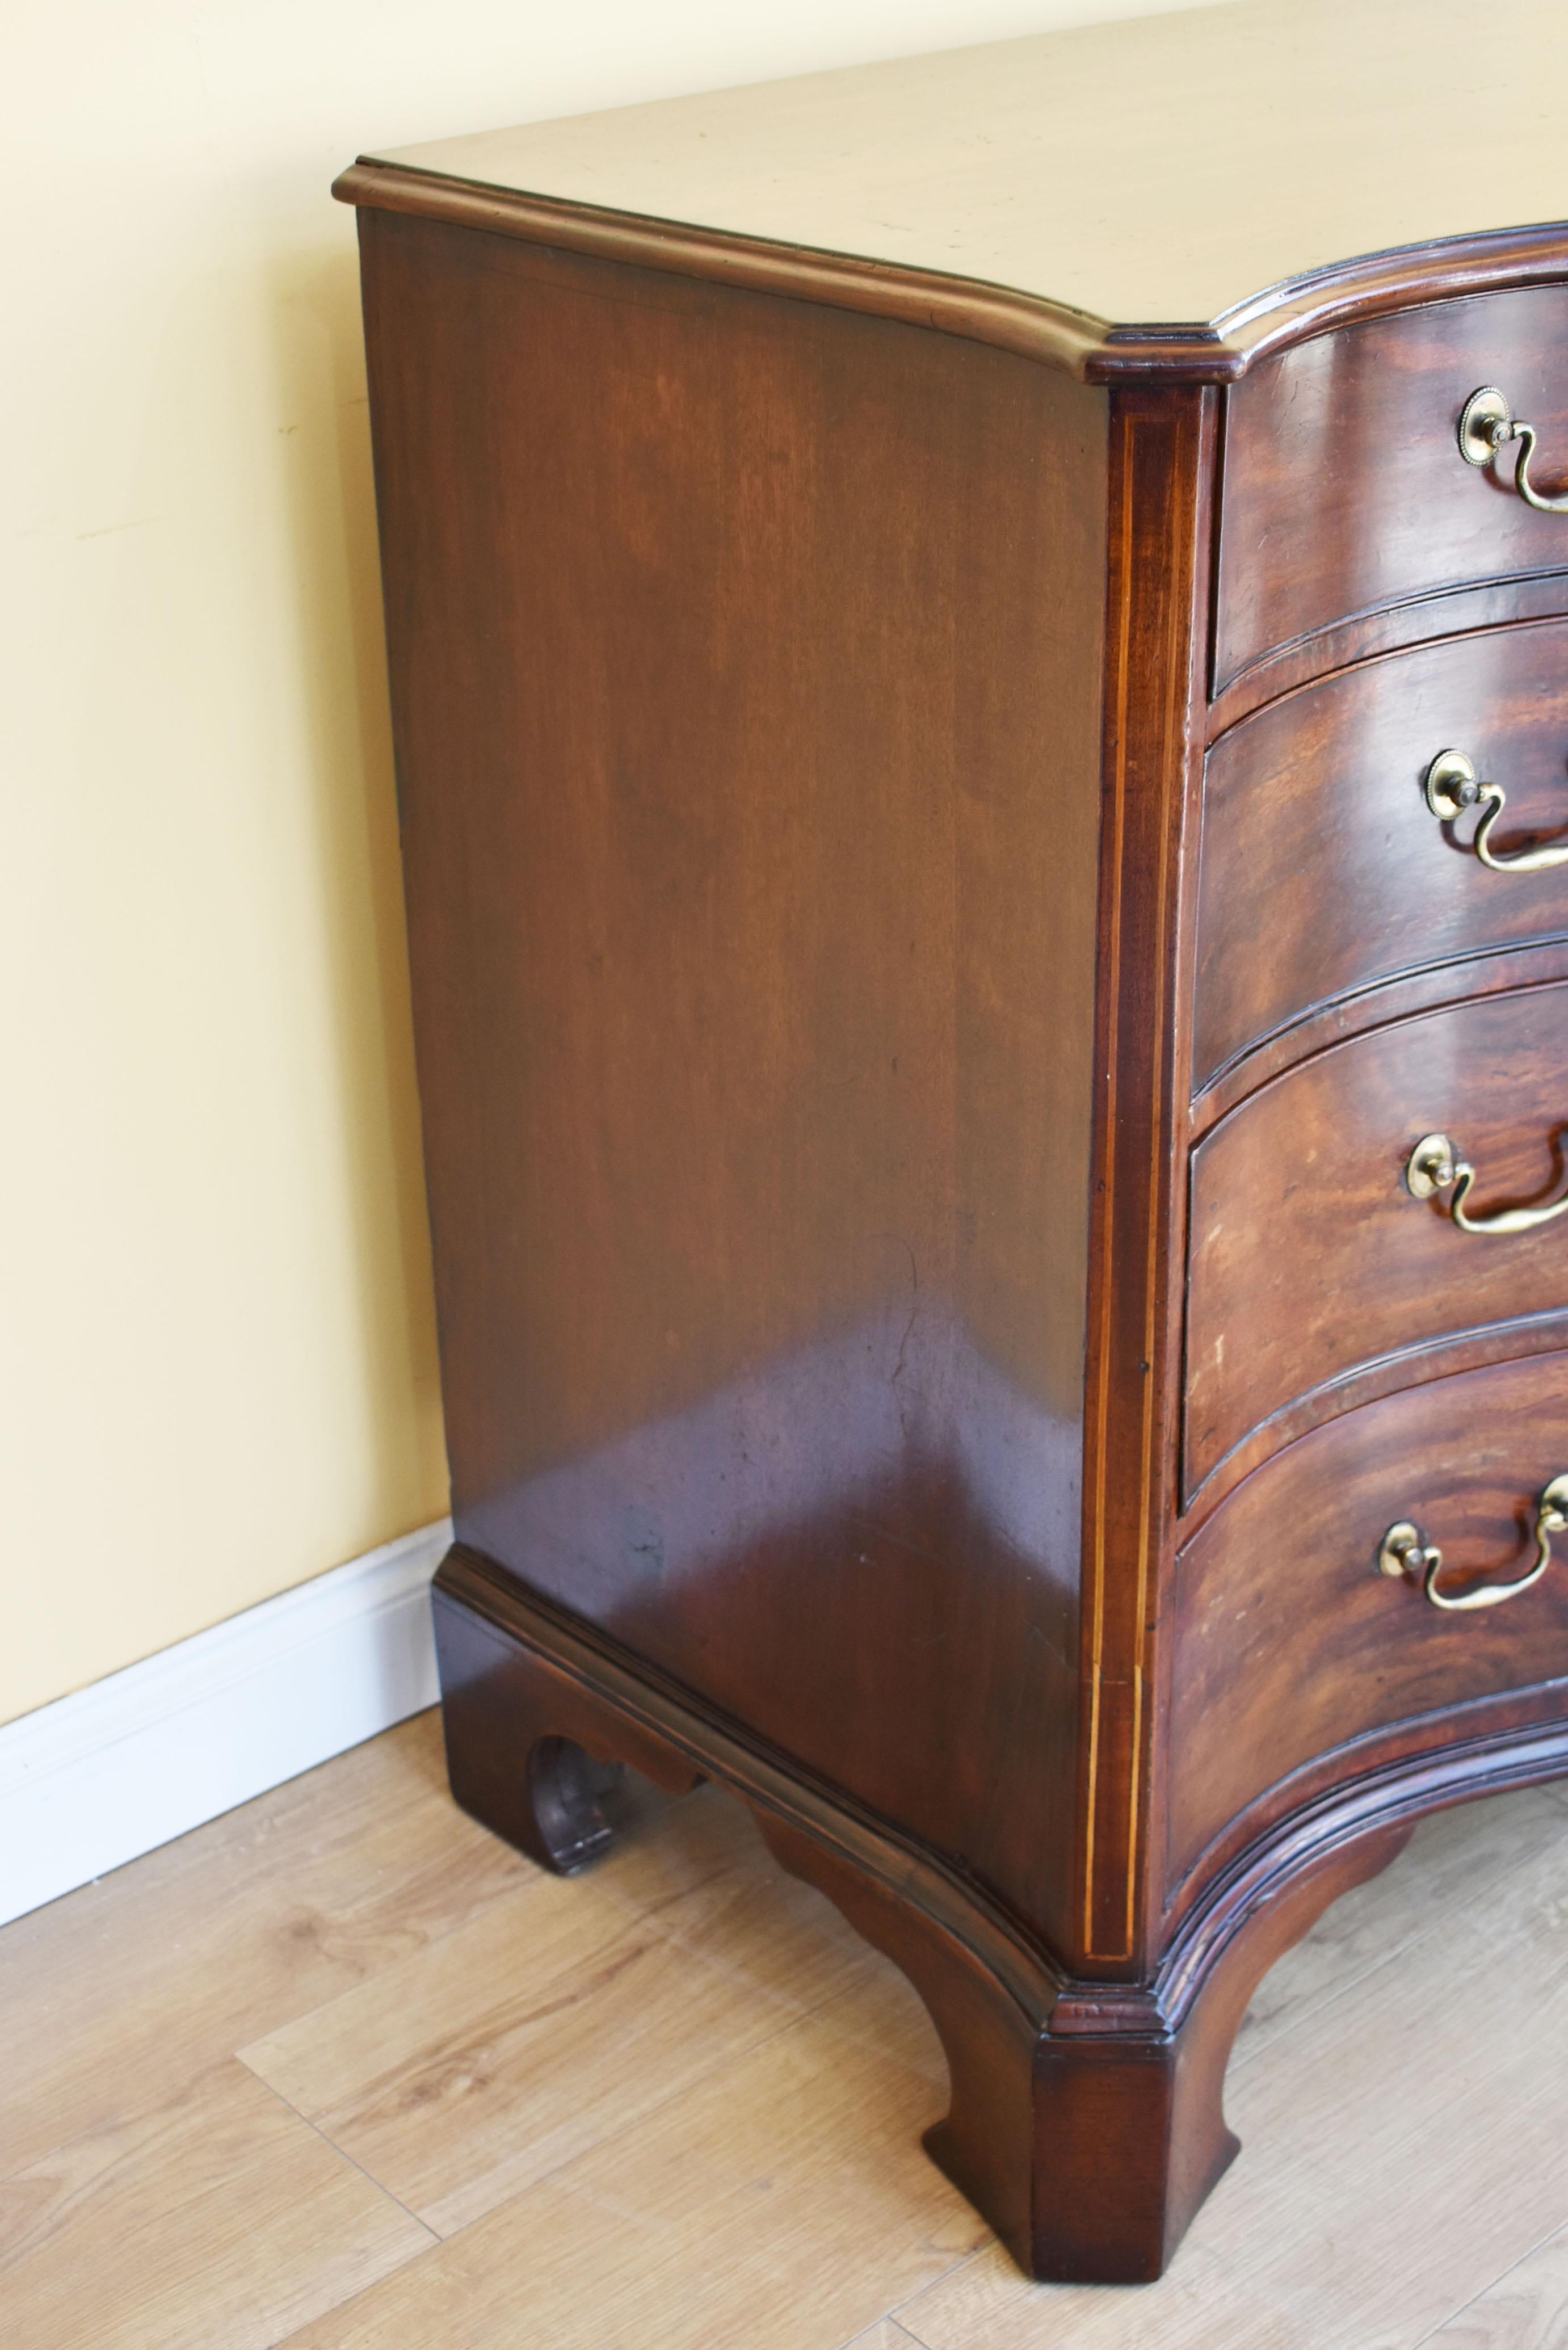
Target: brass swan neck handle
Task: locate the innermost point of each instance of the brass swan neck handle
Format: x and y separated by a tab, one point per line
1436	1164
1452	787
1487	424
1405	1551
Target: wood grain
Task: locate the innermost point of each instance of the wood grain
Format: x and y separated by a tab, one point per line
1407	2136
1427	989
216	1939
755	994
1316	808
798	705
1288	1644
1462	1856
1453	612
1096	169
1084	2119
213	2218
1360	429
1525	2310
1309	1256
462	2079
782	2202
1156	590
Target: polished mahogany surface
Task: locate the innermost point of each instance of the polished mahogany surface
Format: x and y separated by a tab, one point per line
1309	1255
1086	2123
1314	809
933	1325
1392	628
1344	489
1288	1644
753	993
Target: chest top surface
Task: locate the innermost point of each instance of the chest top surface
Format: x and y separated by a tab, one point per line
1154	171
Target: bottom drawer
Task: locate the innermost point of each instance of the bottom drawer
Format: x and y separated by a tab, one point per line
1289	1641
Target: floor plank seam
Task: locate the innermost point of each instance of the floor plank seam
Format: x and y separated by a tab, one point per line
342	2152
1503	2273
903	2331
900	2312
819	2012
644	2114
1245	2057
1480	1892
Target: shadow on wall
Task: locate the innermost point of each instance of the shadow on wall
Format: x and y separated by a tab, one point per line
331	517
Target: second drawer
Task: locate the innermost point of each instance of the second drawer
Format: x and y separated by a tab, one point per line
1324	868
1309	1256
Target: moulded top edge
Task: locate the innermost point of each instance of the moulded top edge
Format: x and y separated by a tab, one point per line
1186	176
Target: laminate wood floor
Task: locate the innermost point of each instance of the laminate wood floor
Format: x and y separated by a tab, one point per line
340	2072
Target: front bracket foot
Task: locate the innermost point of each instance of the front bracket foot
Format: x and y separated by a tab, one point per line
1086	2121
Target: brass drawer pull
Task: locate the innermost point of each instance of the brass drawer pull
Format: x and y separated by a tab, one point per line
1405	1551
1488	424
1435	1163
1451	788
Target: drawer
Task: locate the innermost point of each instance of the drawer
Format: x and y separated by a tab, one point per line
1344	488
1316	808
1309	1256
1288	1642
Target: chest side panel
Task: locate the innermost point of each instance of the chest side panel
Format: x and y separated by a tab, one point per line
746	676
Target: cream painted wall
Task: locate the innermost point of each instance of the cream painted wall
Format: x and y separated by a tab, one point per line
218	1352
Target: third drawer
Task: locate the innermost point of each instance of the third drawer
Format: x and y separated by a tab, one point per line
1310	1259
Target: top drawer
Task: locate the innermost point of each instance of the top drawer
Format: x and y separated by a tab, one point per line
1344	486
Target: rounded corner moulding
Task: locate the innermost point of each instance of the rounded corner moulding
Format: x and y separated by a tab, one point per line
1097	350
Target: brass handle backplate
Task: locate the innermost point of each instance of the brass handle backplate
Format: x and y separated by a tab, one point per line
1436	1164
1487	424
1452	787
1406	1552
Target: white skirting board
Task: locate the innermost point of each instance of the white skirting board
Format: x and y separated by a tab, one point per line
112	1771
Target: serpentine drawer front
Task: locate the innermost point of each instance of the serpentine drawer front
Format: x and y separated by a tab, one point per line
1289	1642
1360	430
978	659
1313	1255
1316	808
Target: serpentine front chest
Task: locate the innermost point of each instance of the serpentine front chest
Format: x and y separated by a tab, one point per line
980	666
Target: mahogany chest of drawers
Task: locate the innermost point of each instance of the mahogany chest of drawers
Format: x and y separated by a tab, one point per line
992	1056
